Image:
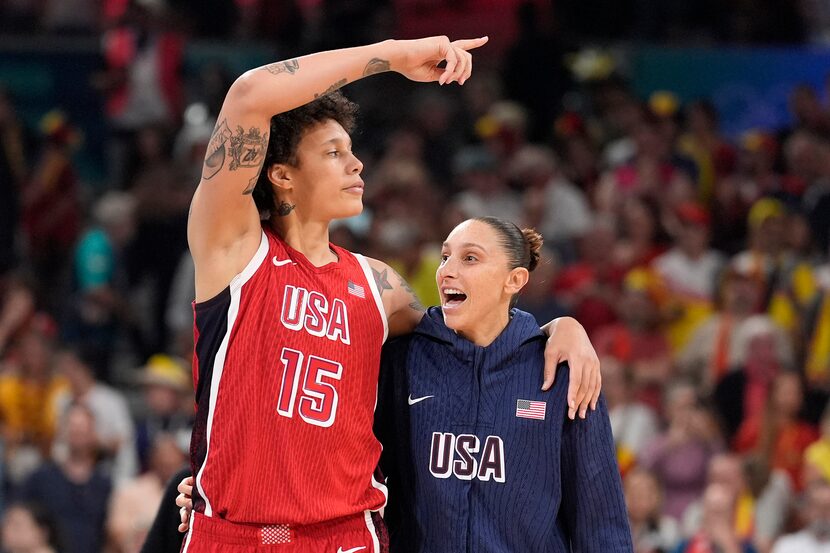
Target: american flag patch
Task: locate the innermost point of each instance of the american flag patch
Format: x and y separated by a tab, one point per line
357	290
530	409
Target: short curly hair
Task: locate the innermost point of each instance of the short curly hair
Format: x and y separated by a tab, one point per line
287	129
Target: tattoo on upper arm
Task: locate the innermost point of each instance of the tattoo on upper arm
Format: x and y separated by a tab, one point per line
415	303
290	67
339	84
215	155
246	148
375	66
381	280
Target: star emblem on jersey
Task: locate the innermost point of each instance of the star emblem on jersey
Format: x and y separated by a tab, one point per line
352	550
527	409
413	400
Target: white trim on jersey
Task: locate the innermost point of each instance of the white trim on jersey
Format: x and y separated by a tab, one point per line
219	362
367	272
189	533
370	525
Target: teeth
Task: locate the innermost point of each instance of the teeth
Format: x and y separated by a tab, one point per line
452	291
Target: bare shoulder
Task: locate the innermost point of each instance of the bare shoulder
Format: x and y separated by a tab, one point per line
401	304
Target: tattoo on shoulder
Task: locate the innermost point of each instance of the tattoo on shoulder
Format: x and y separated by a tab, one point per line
215	155
339	84
290	67
375	66
381	280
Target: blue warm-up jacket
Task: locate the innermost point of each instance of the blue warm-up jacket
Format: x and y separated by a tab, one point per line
479	459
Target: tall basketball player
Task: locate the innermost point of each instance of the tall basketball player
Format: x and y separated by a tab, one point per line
288	326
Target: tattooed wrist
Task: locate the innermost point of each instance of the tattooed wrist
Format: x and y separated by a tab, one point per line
375	66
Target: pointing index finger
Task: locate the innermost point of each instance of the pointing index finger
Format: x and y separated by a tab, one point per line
471	43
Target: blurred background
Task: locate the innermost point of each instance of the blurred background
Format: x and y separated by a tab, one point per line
675	154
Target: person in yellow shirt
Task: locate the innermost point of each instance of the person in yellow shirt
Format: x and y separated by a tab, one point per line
27	394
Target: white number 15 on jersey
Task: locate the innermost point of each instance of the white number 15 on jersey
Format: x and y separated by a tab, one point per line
318	401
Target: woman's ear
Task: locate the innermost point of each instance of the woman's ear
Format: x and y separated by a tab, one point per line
280	176
516	280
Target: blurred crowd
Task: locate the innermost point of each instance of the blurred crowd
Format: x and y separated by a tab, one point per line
698	263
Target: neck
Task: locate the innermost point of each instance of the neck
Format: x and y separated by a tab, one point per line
487	330
309	237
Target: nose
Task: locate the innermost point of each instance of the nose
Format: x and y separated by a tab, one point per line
447	269
357	166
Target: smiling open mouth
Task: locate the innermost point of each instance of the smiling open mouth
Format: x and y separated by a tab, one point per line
453	297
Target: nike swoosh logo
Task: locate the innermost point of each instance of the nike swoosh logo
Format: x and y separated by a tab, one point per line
413	400
280	262
352	550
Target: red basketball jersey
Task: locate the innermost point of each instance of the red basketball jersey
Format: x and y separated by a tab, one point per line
286	385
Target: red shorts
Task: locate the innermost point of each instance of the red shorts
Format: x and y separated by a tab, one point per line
365	533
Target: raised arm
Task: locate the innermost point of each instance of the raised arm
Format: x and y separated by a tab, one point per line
224	226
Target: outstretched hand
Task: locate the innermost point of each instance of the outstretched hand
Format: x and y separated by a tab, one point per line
419	59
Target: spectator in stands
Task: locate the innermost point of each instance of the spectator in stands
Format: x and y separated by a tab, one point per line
100	279
27	393
815	537
75	490
652	531
717	532
690	271
779	435
759	352
759	511
51	215
709	354
134	504
633	423
637	338
552	204
679	456
642	236
167	385
29	528
483	190
114	427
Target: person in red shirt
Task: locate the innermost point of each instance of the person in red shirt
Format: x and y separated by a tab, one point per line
289	326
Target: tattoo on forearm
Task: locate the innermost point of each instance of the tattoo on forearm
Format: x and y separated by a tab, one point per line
215	155
375	66
285	208
381	280
339	84
290	67
415	303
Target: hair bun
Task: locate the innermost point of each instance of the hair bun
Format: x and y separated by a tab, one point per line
534	243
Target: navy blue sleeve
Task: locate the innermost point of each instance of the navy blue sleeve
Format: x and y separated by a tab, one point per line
593	506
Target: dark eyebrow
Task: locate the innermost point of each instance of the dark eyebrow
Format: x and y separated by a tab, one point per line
467	245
